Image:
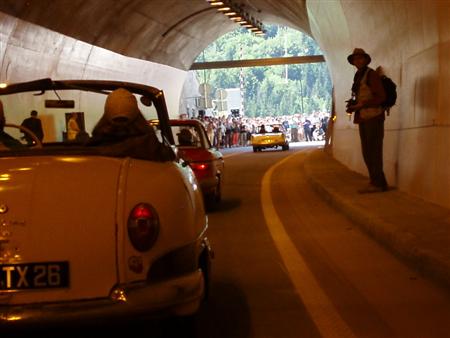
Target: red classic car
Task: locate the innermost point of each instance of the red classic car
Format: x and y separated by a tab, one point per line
206	161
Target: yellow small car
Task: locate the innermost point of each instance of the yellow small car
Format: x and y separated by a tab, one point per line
271	136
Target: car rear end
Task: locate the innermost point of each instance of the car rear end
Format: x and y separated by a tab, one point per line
206	161
174	267
206	167
89	238
87	233
268	140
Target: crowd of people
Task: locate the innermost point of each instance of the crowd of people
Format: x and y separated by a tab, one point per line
231	131
236	131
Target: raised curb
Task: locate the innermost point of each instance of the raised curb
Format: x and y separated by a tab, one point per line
416	231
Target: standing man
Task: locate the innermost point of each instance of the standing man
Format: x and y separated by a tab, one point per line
34	124
367	98
294	130
307	130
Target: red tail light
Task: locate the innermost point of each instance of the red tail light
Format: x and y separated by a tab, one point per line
143	226
199	166
201	169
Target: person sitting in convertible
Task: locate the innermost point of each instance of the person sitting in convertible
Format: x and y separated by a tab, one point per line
185	138
124	131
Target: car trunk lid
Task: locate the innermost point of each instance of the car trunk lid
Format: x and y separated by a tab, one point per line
58	227
195	154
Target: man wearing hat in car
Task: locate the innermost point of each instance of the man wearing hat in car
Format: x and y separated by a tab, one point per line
368	95
123	130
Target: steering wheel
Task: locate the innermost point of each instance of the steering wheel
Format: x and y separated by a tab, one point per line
38	143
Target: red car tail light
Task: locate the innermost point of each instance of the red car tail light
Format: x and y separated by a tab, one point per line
201	169
143	226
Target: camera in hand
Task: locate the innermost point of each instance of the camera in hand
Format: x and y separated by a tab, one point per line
350	103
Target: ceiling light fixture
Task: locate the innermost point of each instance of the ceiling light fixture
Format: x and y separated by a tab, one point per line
215	3
235	12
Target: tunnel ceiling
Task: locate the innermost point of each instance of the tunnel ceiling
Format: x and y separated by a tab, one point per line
171	32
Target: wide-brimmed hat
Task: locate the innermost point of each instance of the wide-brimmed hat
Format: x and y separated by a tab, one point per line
358	51
121	107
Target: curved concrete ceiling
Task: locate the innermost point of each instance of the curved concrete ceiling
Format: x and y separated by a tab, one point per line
170	32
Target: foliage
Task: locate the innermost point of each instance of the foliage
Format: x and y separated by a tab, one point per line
269	91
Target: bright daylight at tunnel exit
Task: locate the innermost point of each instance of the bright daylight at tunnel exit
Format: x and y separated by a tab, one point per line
239	100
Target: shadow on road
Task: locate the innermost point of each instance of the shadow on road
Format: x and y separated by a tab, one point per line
226	314
225	205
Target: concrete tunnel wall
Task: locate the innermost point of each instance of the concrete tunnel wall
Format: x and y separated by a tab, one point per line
411	41
29	52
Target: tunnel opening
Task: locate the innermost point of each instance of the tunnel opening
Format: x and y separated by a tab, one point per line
295	95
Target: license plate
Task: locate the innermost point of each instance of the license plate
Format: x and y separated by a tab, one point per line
30	276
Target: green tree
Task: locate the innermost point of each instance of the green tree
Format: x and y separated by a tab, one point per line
276	90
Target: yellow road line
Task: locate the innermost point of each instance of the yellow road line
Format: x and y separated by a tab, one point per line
321	309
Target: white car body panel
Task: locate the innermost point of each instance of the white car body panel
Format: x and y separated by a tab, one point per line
63	218
92	195
181	208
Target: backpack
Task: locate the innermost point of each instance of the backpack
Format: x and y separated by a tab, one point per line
390	88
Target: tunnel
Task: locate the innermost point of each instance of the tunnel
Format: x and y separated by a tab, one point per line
156	42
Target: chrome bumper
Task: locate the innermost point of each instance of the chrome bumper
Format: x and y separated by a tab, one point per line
177	296
269	144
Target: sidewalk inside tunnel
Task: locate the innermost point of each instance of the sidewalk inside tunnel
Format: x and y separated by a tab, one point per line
416	231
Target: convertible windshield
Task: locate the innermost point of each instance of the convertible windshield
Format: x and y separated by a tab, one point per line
76	117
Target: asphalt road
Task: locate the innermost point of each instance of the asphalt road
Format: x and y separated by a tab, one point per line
289	265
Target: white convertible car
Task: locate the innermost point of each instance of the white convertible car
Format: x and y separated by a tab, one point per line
91	231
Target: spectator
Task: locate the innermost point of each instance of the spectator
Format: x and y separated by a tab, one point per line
369	95
236	133
243	135
34	124
228	134
72	127
307	127
210	129
294	130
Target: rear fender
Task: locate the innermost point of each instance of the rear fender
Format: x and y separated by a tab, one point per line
174	193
